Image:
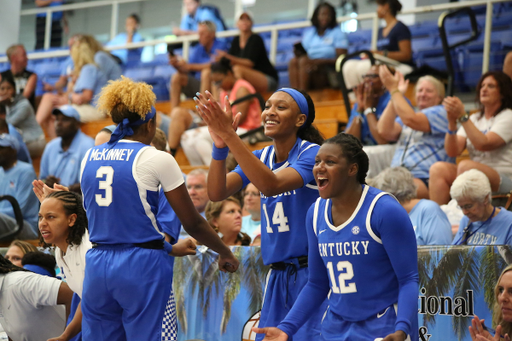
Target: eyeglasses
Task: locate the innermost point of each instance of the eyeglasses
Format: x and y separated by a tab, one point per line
371	75
466	207
218	83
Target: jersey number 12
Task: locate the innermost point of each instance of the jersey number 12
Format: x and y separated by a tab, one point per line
106	185
340	286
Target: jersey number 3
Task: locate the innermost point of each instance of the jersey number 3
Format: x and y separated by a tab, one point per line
278	218
106	185
342	287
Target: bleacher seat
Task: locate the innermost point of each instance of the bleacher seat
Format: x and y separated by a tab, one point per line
139	73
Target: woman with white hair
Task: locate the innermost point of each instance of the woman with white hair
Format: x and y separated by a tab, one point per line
430	223
483	223
419	133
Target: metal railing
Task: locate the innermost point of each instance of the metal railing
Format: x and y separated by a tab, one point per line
273	29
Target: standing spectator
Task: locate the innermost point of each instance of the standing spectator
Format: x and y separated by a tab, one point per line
194	76
7	128
131	35
56	28
430	223
225	217
323	44
483	223
372	98
89	79
197	13
16	180
487	137
25	81
251	224
17	250
249	59
420	133
62	156
21	115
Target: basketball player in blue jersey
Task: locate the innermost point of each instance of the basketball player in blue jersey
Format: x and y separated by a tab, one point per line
127	292
362	251
283	174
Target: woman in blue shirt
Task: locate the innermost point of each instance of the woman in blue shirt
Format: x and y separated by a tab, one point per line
324	42
130	36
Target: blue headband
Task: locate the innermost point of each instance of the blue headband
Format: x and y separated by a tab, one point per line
38	270
299	99
125	127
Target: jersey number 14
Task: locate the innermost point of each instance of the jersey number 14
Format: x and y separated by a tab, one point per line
278	218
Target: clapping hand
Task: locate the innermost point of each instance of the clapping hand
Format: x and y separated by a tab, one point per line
42	190
454	108
390	81
479	332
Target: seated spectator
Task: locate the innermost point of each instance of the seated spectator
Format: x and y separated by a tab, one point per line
7	128
66	70
17	250
56	26
36	316
483	223
487	136
419	134
197	143
62	156
82	95
40	263
502	317
197	13
430	223
194	76
21	115
16	180
131	35
323	44
393	42
104	135
251	224
196	187
249	59
372	98
225	217
25	81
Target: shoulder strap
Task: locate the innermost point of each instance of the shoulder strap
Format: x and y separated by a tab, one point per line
315	215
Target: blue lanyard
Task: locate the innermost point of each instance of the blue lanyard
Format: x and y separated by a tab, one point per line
465	237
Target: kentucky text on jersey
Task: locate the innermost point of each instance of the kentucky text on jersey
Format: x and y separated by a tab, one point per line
346	248
110	154
279	195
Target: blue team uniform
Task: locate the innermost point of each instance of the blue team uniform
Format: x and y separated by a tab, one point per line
127	287
369	265
284	239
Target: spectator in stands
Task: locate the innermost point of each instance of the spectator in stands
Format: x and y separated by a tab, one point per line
40	263
62	156
56	27
483	223
17	250
104	135
225	217
248	57
7	128
26	81
393	42
313	66
251	224
194	76
197	143
430	223
196	186
487	136
420	133
16	180
371	100
197	13
131	35
21	115
36	316
66	70
501	311
89	81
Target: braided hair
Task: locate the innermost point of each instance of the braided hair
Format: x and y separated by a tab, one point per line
353	152
72	204
6	266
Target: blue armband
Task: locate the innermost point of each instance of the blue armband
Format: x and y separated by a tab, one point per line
219	154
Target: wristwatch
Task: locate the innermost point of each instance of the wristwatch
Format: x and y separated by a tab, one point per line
370	111
463	118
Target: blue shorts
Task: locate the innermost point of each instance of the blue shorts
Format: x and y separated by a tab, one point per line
335	328
282	289
128	295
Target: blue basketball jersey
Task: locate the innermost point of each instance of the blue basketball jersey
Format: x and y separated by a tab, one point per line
120	209
283	231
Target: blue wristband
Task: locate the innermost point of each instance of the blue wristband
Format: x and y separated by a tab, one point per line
452	132
219	154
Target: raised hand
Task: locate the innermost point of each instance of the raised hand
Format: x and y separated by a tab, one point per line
403	84
41	190
359	91
454	108
390	81
271	333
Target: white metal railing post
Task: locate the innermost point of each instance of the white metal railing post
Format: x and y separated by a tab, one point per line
239	9
186	50
114	20
273	45
487	39
311	8
375	32
48	29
